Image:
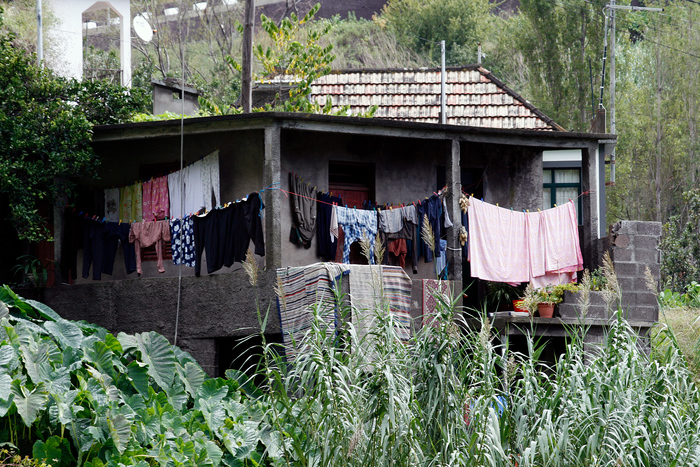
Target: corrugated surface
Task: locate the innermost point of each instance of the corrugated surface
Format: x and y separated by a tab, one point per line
474	97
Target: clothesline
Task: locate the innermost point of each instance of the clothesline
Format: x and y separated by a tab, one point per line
287	193
103	220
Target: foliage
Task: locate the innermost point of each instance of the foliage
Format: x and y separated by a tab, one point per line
295	60
500	293
680	245
361	43
421	25
45	128
32	270
73	394
459	398
9	458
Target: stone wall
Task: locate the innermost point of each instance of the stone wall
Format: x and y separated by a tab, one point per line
634	248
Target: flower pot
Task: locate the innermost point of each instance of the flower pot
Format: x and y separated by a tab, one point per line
546	310
518	306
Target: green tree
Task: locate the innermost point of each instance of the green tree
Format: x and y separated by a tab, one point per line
422	24
45	131
296	56
557	39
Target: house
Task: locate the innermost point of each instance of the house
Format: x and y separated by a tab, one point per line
393	162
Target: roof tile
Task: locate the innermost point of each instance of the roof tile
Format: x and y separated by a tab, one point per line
474	97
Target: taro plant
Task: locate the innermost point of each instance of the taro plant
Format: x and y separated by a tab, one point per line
72	394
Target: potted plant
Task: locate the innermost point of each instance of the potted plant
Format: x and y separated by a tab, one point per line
32	271
501	296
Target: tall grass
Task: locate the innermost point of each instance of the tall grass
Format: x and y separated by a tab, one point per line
456	397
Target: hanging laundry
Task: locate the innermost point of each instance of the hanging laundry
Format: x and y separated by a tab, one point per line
211	190
131	203
441	260
93	248
432	207
302	288
356	223
225	234
112	204
145	234
114	234
399	242
555	252
212	234
176	182
498	246
390	220
194	193
326	243
399	250
156	199
303	211
182	241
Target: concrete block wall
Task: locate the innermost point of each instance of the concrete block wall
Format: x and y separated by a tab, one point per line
634	247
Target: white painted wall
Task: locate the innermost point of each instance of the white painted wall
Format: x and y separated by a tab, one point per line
67	36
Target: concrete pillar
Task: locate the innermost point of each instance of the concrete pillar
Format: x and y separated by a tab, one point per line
454	189
272	198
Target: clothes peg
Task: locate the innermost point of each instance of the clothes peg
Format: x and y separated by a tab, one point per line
120	222
555	205
355	208
80	213
496	204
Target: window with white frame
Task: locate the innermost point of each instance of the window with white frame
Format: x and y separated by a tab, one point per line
561	185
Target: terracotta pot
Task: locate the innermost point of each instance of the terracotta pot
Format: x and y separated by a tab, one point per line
546	310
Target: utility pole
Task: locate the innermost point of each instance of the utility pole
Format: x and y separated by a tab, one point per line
443	104
247	81
39	34
613	128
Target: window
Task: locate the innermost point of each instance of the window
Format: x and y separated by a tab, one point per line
560	186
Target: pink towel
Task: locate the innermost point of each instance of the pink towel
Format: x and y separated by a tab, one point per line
498	247
156	199
539	247
562	249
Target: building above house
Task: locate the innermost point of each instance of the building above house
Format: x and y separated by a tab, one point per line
475	97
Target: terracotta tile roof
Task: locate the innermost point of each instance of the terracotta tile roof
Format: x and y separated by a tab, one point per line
474	97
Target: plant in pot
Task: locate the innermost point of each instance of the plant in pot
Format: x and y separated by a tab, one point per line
501	296
31	270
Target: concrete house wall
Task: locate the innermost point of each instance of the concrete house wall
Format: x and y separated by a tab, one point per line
259	150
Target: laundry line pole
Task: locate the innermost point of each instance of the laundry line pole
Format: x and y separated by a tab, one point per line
443	104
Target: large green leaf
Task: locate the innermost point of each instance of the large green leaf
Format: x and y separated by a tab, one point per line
240	440
4	311
5	382
8	358
44	311
211	391
192	376
157	353
119	431
65	332
36	360
49	452
29	403
101	356
139	376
